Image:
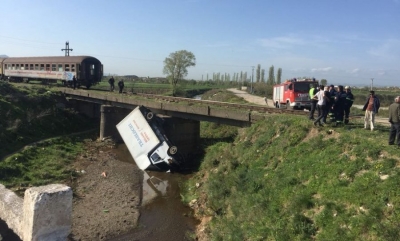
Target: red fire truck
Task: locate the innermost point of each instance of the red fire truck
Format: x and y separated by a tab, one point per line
293	94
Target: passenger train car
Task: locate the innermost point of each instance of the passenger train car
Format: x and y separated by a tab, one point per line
88	70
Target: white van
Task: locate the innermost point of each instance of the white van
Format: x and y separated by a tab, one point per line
145	139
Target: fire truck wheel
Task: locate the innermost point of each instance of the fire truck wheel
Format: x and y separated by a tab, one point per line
277	105
172	150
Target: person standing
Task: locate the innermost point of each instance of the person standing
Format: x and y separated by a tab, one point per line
74	82
348	103
328	103
312	92
331	111
321	106
121	85
111	81
394	119
338	105
371	108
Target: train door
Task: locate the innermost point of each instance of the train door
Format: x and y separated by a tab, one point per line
78	71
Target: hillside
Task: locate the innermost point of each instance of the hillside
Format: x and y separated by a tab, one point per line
284	179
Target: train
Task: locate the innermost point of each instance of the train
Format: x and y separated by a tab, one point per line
87	70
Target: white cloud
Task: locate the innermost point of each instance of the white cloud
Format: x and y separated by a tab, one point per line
326	69
281	42
389	49
355	71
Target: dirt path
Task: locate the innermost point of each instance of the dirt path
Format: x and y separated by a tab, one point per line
261	101
252	98
107	194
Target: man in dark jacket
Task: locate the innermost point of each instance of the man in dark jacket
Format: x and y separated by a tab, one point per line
338	105
394	119
111	82
331	111
121	85
348	104
371	108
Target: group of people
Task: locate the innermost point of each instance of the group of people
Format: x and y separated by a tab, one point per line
121	84
329	101
337	104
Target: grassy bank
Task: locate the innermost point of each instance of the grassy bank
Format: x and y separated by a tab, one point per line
36	125
284	179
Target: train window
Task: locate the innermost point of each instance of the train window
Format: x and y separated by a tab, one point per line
22	67
67	67
31	67
47	67
13	66
27	66
41	67
17	66
72	67
53	67
36	66
60	67
92	69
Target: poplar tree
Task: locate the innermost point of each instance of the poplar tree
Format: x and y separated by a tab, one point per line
279	76
258	73
271	78
263	75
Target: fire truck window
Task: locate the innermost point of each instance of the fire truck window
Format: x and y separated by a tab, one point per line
290	87
301	87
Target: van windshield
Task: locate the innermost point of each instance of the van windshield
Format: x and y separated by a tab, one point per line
301	87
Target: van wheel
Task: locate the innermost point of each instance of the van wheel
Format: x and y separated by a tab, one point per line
172	150
149	115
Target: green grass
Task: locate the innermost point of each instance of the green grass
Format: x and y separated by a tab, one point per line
38	130
42	163
284	179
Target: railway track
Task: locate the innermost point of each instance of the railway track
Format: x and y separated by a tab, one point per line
245	107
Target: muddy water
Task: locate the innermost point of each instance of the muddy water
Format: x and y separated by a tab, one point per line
162	216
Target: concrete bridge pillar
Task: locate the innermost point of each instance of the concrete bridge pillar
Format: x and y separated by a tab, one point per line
110	116
89	109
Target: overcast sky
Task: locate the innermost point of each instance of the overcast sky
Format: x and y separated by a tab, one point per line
343	41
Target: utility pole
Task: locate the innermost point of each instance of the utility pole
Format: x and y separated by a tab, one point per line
252	75
67	49
372	83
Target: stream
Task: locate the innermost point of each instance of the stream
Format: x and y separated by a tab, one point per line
163	216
